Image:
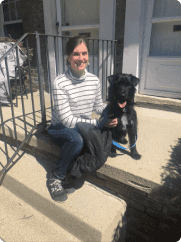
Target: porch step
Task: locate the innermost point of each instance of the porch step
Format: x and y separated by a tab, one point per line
89	214
21	222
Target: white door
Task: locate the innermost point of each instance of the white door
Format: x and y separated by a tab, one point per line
161	63
80	17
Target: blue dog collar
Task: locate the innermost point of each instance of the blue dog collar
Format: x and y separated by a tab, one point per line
121	147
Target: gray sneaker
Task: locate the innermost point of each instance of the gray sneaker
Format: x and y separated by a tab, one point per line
57	192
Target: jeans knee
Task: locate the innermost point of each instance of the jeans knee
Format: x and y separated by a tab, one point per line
79	142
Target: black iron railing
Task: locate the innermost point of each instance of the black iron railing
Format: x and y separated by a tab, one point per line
49	62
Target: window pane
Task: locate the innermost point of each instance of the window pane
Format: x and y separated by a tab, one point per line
6	12
12	11
18	10
14	30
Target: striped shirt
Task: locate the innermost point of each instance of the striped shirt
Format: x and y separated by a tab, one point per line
75	99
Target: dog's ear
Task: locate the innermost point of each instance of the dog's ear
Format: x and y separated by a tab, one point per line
135	80
110	78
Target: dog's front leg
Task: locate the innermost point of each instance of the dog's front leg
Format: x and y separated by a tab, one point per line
132	133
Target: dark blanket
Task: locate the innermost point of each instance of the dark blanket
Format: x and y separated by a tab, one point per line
97	147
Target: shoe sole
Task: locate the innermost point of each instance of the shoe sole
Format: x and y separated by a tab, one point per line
61	200
69	191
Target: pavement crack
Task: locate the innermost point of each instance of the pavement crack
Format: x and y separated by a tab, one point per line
26	217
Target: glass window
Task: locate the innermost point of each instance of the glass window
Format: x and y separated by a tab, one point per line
18	10
11	10
14	30
6	12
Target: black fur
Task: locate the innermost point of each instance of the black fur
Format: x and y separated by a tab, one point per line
122	89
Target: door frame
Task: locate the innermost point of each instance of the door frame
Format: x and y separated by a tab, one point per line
106	25
146	44
146	58
135	17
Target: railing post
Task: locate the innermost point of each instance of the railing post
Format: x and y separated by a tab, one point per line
115	53
40	80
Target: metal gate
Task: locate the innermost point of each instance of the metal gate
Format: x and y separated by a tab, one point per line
32	107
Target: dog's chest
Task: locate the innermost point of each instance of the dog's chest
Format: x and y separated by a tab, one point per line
124	121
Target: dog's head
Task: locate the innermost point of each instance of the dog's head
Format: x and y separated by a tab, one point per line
122	89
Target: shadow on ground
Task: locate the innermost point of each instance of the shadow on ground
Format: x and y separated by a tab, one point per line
144	227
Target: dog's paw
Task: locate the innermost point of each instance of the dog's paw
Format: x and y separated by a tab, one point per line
113	154
136	156
123	141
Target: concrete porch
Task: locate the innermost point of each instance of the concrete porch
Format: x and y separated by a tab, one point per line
150	187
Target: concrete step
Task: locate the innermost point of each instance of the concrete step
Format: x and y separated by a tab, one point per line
21	222
89	214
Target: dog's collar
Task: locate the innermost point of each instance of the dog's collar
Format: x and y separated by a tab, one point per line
125	110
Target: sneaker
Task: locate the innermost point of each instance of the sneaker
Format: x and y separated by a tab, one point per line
79	182
57	191
67	184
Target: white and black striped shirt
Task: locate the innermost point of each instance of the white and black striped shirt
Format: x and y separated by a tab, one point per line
75	99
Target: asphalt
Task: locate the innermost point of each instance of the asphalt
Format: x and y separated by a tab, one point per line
159	143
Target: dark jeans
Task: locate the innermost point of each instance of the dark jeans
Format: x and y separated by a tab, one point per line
71	143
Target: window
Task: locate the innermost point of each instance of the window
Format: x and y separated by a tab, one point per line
12	22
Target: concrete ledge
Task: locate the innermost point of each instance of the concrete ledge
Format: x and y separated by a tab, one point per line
167	104
89	214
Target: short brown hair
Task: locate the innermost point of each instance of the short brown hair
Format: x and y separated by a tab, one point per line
75	41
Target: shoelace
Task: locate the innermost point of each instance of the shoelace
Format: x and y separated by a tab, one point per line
57	184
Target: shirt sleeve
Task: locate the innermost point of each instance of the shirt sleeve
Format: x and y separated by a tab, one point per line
98	104
62	108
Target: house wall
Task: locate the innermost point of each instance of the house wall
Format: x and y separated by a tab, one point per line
119	32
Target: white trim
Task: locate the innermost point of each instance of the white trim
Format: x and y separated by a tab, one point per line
161	93
133	37
114	20
59	16
59	32
74	27
13	22
146	44
164	58
168	19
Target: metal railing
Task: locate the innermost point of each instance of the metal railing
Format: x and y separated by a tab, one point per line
50	62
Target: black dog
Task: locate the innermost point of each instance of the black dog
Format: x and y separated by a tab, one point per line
121	95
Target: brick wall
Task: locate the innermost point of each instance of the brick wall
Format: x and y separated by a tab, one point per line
33	20
119	32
